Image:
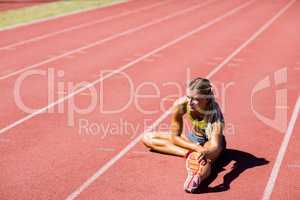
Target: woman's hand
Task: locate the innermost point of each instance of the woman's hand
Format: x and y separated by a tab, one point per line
202	155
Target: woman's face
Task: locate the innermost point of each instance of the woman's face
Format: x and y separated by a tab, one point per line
197	101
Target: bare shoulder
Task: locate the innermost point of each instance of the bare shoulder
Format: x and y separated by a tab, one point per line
179	106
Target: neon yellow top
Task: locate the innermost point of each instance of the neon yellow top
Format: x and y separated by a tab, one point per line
196	123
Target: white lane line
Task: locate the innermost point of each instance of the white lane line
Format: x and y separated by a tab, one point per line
83	25
202	27
280	156
115	36
62	15
111	162
253	37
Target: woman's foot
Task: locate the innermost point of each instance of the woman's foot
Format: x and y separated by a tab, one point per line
193	179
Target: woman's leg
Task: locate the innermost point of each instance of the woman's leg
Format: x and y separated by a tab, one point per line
196	173
205	170
162	142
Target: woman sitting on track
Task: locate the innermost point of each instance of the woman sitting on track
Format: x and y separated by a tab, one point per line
204	143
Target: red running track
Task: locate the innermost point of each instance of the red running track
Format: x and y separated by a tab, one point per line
43	157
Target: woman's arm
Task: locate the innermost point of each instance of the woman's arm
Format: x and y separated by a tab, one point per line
177	127
213	150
